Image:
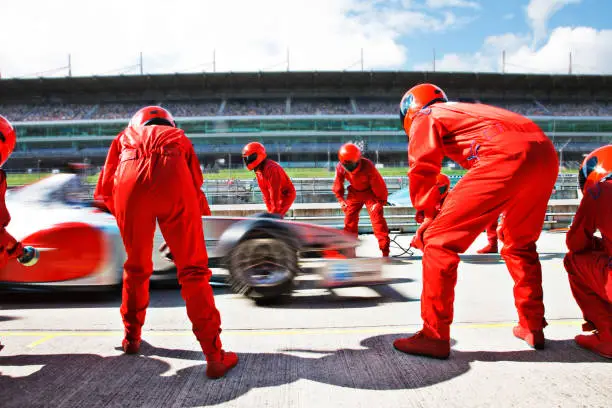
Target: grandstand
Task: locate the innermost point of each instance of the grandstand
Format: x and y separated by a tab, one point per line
302	117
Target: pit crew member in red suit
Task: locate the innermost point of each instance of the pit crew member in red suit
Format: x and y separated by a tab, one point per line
275	185
9	247
153	174
367	187
589	260
512	167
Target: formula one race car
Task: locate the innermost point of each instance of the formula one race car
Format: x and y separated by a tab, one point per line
80	246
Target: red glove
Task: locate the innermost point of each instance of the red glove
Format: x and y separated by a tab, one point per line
419	217
17	251
417	240
343	205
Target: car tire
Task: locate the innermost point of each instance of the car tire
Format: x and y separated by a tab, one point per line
263	269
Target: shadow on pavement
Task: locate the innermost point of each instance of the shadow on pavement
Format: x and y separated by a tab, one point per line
145	380
8	318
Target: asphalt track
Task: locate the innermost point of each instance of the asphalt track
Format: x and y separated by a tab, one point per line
320	349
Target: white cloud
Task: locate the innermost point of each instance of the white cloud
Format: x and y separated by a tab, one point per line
590	48
540	11
452	3
247	36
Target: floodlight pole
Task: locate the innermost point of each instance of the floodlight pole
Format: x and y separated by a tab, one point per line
141	63
69	66
362	59
434	60
561	152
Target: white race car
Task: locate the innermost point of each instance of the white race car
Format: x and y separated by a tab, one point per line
80	246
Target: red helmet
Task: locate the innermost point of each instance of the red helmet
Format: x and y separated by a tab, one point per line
253	154
417	98
152	115
443	184
596	167
349	156
8	138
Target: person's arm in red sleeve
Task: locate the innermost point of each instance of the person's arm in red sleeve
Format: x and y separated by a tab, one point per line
580	235
425	156
265	189
378	185
103	193
8	244
338	186
275	179
198	179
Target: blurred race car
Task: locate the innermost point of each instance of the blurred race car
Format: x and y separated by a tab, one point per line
80	245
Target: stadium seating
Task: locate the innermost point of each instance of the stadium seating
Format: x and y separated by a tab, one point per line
288	106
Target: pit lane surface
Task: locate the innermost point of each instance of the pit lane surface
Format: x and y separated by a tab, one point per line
320	349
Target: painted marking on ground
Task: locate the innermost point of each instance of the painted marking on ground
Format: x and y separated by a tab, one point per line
46	335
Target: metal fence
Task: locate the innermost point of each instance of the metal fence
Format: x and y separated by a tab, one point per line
319	190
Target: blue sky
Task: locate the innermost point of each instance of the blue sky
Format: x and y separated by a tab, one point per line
243	35
498	17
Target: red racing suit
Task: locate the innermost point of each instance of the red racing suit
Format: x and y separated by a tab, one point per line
512	167
9	247
369	188
589	260
153	174
276	187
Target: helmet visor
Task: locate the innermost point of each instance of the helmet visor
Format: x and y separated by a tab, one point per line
249	159
443	190
405	106
350	166
585	171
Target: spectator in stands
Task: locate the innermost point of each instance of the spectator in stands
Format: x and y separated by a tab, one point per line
512	168
589	260
153	174
367	187
276	187
269	106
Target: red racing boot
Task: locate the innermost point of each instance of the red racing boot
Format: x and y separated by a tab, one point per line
534	338
218	365
594	343
588	326
130	346
422	345
489	249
